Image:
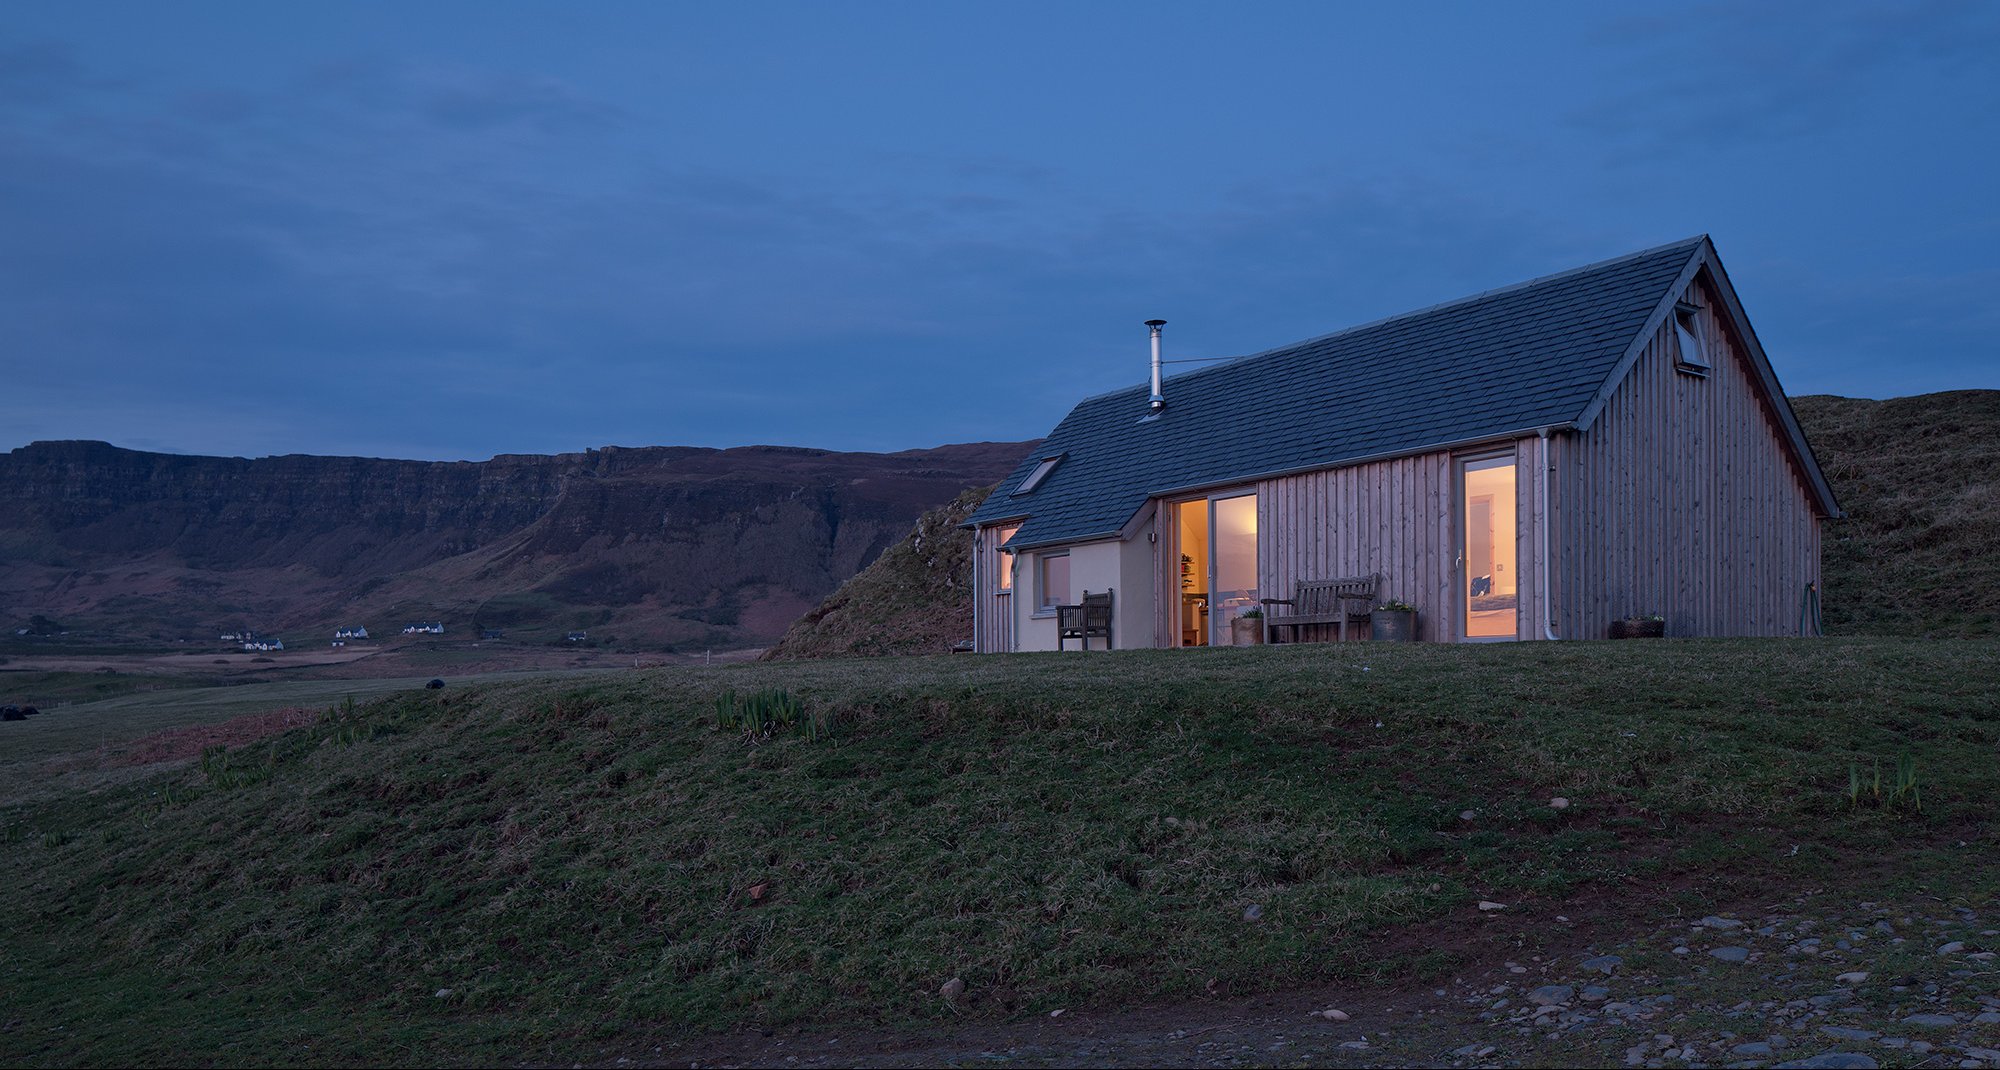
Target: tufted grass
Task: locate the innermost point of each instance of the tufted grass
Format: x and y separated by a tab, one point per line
572	859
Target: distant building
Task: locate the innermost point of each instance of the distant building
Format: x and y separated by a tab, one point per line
577	637
263	644
433	628
350	633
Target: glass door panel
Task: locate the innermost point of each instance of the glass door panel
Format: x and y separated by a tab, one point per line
1191	544
1489	565
1235	546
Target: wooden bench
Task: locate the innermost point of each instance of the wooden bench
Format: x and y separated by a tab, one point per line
1087	620
1322	602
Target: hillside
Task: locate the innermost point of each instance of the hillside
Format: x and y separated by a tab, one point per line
1919	478
656	546
532	872
915	599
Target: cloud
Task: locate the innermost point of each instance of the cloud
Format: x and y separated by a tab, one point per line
1758	73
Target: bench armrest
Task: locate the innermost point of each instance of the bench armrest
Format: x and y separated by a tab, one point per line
1276	601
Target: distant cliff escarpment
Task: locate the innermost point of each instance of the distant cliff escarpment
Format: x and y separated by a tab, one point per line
664	546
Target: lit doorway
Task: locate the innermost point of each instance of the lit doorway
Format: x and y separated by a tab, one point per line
1489	566
1215	575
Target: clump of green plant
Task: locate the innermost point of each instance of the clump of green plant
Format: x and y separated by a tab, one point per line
1902	791
225	773
1253	613
768	712
1396	605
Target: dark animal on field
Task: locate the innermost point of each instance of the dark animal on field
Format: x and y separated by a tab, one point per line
435	684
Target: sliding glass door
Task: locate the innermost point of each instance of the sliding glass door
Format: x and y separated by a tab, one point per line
1215	541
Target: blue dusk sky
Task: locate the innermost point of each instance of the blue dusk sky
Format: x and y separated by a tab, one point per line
443	230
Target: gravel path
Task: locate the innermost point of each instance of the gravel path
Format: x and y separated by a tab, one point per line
1815	981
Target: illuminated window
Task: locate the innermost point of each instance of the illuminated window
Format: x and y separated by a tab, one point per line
1006	561
1040	473
1053	574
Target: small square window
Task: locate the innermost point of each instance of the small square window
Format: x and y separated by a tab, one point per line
1036	477
1692	348
1053	579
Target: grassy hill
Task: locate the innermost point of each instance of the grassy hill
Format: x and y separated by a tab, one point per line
509	872
1919	478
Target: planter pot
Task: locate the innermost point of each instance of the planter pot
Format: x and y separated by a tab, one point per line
1246	631
1393	625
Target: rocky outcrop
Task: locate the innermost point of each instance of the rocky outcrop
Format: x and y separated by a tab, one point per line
915	599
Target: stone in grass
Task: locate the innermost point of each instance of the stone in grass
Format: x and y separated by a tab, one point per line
1602	963
1713	922
1832	1060
1488	904
1550	995
1755	1049
952	989
1333	1015
1253	912
1841	1032
1854	977
1952	948
1731	954
1932	1021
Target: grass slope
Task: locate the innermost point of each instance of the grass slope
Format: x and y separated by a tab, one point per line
509	871
1919	478
914	599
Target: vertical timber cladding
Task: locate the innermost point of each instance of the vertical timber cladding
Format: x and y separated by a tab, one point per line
1396	517
1684	499
993	616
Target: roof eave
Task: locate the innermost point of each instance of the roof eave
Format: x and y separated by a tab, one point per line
1390	455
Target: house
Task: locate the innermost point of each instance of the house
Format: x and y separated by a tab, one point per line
577	637
432	628
1534	462
350	633
263	644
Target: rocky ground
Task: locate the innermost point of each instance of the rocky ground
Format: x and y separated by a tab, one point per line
1816	980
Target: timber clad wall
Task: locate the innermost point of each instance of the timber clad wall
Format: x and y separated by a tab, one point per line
993	617
1683	499
1397	518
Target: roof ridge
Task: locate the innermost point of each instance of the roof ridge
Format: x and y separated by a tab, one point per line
1228	362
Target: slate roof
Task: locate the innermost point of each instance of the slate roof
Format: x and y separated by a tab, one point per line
1512	360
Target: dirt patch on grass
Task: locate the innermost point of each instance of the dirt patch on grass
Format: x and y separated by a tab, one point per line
180	744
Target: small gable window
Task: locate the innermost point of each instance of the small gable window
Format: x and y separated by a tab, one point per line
1692	355
1035	478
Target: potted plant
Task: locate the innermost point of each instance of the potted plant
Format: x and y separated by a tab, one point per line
1642	626
1247	629
1393	620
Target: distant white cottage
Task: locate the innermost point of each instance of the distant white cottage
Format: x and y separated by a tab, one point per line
350	633
433	628
264	644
